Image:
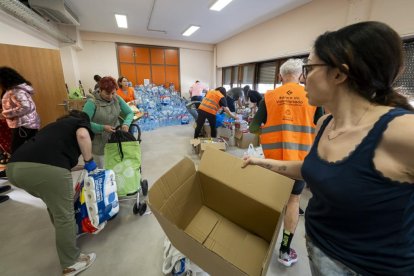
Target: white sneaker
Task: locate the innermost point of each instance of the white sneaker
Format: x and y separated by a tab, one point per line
84	261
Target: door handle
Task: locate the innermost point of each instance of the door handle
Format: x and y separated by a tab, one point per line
65	104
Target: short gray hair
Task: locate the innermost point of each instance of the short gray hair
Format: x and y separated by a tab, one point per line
291	67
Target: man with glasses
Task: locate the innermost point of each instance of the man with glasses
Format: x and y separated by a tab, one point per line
287	133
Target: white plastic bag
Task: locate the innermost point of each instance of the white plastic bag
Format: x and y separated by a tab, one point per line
176	264
252	152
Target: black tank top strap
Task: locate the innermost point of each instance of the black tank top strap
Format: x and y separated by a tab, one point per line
371	141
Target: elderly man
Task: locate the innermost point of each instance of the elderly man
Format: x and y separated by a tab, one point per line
287	134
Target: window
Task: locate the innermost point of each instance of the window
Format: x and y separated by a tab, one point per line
247	77
227	78
266	78
406	82
235	78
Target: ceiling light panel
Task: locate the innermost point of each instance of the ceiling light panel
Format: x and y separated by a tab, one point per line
121	20
191	30
219	5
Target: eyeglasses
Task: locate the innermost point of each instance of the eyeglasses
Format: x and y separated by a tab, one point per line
308	67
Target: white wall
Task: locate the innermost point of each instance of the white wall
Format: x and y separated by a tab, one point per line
293	33
195	65
14	32
99	57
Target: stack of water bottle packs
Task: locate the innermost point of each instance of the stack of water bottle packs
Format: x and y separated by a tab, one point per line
161	107
96	201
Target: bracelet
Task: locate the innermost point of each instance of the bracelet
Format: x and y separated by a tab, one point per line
87	161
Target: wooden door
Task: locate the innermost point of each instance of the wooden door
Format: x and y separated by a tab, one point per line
143	72
128	70
172	76
43	68
142	55
157	56
158	74
126	53
171	56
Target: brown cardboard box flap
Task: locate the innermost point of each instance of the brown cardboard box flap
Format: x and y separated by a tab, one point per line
270	188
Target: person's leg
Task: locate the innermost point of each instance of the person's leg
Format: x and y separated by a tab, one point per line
211	118
287	255
54	186
200	122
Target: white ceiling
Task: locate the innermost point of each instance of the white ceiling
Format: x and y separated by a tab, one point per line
175	16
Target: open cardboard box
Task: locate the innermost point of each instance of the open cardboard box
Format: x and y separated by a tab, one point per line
224	218
200	144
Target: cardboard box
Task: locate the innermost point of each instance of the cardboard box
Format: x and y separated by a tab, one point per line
243	139
224	218
227	134
200	144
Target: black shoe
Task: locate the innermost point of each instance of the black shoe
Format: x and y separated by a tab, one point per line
3	174
4	198
301	212
4	188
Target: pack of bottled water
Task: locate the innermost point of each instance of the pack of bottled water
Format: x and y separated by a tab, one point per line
160	107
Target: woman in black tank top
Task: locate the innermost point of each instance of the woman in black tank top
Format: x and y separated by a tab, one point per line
360	220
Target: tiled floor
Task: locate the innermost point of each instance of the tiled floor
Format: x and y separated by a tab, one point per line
129	244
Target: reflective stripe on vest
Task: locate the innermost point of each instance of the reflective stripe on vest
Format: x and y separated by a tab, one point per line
286	145
210	103
294	128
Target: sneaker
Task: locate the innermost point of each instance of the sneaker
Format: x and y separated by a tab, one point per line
84	261
301	212
4	198
4	188
288	259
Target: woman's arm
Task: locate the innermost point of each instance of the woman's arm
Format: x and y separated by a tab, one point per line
259	118
126	112
84	142
22	102
90	109
394	154
291	169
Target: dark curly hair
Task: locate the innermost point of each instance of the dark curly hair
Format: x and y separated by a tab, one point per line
9	78
374	55
108	84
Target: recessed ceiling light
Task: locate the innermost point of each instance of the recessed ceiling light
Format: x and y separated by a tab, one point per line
190	30
219	5
121	20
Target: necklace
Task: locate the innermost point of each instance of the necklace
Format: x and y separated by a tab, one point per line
334	134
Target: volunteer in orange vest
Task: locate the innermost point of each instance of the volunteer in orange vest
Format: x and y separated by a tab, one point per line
287	134
212	102
124	91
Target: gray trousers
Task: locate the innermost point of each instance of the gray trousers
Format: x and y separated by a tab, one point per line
54	186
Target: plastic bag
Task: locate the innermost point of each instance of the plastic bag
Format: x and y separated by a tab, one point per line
176	264
251	151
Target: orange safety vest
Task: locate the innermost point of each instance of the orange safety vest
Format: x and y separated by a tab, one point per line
289	130
211	101
128	97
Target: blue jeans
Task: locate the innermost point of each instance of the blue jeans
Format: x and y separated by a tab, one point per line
321	264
